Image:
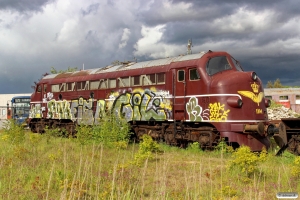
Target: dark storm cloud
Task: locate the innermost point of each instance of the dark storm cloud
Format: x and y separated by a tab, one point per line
270	67
211	9
23	6
262	35
285	10
201	32
199	25
206	12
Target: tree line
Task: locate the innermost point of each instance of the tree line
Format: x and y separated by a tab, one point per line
277	84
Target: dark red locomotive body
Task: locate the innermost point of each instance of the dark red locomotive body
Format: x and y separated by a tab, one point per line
201	98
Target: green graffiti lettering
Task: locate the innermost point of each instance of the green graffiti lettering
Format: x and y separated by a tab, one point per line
194	110
100	111
136	101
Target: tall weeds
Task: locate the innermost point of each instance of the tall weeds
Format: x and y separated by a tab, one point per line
44	166
111	131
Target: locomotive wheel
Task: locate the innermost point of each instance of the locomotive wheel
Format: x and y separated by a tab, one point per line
33	128
54	125
169	138
71	130
39	128
298	149
294	146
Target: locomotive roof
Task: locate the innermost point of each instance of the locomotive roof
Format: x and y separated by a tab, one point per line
128	66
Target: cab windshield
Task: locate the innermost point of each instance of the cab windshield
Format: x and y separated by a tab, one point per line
217	64
237	64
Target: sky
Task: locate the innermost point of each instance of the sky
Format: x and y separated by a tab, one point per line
36	35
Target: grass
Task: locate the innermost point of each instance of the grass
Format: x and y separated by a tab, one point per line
48	167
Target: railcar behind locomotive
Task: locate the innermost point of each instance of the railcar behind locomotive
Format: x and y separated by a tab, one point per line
204	97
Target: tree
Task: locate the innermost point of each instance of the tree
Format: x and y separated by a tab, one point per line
276	84
270	84
70	69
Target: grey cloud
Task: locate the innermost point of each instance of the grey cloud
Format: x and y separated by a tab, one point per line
209	10
93	8
23	6
95	32
206	12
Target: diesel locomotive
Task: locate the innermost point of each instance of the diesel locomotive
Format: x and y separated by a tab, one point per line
205	97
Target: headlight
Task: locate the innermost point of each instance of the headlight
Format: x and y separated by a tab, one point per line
267	103
235	102
254	76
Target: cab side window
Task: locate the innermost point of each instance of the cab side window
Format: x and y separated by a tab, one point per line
180	75
194	74
217	64
39	88
45	88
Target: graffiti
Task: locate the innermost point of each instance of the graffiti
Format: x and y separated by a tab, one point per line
82	110
137	105
35	111
100	111
47	97
194	110
59	109
142	106
217	112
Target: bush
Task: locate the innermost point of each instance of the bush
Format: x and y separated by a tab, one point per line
111	131
13	132
194	147
247	161
296	167
222	147
275	105
146	149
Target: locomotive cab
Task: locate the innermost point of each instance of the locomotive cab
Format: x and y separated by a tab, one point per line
241	102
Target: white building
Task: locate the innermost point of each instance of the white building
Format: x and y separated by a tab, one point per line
289	97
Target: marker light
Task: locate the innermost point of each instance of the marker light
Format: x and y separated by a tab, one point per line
267	103
235	102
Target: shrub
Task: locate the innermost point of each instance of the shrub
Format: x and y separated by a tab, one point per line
13	132
223	147
275	105
50	133
111	131
296	167
247	161
228	191
84	134
194	147
146	149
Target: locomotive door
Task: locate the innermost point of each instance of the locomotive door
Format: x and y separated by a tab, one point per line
41	90
179	88
44	105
